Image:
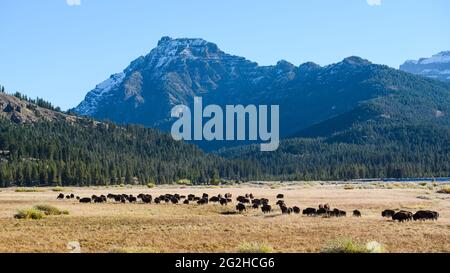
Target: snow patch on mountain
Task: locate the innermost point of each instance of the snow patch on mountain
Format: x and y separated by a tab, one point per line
101	91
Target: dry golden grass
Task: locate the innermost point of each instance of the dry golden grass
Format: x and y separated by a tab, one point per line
191	228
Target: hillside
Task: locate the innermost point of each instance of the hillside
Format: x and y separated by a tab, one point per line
40	146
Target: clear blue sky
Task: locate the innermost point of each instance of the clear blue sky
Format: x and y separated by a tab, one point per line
58	51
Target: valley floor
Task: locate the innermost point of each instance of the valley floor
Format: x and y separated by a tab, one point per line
192	228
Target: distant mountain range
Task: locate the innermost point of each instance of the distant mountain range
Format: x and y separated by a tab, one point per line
436	67
314	100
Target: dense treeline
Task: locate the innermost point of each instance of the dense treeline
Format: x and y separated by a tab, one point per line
58	153
390	151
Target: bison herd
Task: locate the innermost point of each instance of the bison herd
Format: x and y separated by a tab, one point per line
403	216
248	201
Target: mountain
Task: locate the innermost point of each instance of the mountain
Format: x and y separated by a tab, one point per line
309	95
436	67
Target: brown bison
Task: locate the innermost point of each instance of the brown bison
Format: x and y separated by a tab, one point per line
388	213
424	215
85	200
240	207
402	216
309	211
266	208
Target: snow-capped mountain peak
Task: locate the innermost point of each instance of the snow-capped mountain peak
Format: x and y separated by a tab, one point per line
436	66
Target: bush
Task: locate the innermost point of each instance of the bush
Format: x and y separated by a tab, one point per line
350	246
58	189
33	214
445	190
254	247
151	185
28	190
186	182
50	210
349	187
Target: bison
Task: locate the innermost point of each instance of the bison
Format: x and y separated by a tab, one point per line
356	213
240	207
280	196
388	213
266	208
60	196
402	216
322	211
223	201
424	215
296	210
309	211
85	200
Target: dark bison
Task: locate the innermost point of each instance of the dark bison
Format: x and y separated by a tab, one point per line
388	213
191	197
240	207
339	213
280	196
296	210
202	201
402	216
309	211
223	201
228	195
100	199
147	199
214	199
186	202
280	203
60	196
266	208
424	215
322	211
243	199
85	200
326	207
356	213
